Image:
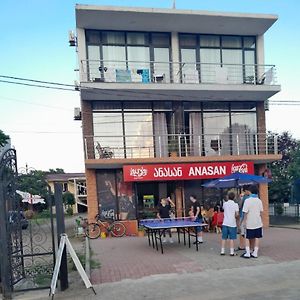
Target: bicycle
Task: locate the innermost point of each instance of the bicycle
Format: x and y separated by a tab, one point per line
93	230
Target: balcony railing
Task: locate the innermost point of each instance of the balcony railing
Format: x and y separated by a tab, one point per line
181	145
170	72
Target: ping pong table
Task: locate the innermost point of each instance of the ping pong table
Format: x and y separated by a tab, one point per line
156	228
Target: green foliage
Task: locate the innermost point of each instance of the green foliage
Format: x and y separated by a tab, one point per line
44	214
285	171
56	171
69	211
279	209
34	182
68	199
3	138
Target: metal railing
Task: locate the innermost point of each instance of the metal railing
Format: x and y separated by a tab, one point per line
284	214
182	145
170	72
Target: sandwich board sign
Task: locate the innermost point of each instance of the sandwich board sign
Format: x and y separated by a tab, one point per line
64	242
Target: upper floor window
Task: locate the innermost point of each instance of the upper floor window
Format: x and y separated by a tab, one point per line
217	58
119	56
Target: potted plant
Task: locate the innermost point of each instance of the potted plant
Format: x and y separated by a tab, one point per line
141	231
173	147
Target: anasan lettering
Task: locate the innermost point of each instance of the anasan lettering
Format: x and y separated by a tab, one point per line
167	172
208	171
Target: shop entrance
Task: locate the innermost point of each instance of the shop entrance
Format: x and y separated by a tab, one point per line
149	195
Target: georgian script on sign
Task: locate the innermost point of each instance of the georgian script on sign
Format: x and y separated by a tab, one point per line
184	171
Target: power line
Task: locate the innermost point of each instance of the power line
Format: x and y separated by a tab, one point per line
36	85
38	81
37	104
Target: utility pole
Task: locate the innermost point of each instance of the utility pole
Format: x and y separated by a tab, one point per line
174	4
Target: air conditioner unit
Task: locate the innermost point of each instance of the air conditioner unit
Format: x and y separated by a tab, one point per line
77	114
72	39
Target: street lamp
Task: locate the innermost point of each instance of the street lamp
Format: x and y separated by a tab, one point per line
27	171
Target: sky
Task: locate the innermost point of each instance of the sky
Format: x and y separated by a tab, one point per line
34	45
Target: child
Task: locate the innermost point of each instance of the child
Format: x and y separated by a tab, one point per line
220	218
229	226
164	210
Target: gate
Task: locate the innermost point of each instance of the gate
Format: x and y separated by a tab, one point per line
27	246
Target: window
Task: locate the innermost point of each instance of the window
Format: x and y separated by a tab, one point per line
209	41
134	38
231	42
249	42
113	38
108	134
222	58
188	40
161	40
138	134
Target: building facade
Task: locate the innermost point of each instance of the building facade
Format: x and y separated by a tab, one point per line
74	183
169	99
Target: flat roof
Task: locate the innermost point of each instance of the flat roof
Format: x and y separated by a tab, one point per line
171	20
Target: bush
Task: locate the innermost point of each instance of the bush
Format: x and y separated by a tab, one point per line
69	211
279	209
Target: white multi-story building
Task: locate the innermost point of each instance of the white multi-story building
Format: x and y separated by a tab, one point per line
171	98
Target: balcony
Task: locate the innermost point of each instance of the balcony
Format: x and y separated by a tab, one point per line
162	81
153	72
179	145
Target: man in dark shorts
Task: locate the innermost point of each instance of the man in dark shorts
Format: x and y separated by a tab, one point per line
252	210
196	208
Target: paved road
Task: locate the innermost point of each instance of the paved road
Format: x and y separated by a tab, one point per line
270	281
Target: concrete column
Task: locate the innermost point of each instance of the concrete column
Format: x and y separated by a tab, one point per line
260	55
81	50
175	57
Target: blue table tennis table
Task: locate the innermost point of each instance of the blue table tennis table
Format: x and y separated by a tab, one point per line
156	228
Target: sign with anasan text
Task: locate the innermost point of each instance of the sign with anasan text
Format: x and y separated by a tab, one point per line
163	172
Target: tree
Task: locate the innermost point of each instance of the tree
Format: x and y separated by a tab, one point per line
69	200
56	171
3	138
283	171
34	182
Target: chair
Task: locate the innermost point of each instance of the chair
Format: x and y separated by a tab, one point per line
104	152
159	78
266	78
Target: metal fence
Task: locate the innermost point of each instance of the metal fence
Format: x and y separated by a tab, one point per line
182	145
171	72
284	213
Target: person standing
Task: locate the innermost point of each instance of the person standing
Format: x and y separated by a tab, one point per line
196	207
164	209
246	194
229	226
252	210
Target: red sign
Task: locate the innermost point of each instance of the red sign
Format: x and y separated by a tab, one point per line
163	172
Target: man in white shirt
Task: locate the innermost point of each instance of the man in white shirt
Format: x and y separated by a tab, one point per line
229	226
252	216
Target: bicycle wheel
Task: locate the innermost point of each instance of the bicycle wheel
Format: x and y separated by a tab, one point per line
92	230
118	229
